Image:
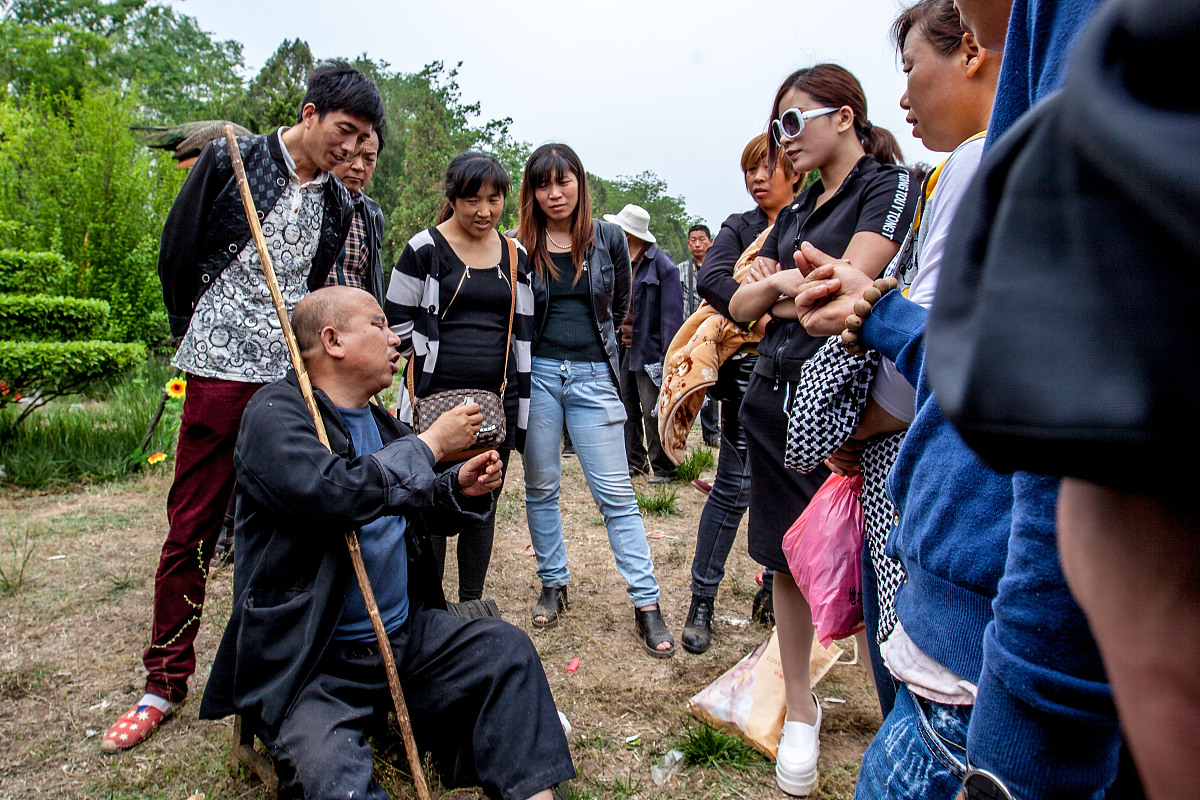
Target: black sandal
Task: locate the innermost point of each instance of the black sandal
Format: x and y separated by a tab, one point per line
653	631
551	603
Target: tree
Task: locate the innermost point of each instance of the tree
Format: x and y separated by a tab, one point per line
273	97
62	47
184	72
669	218
85	188
427	125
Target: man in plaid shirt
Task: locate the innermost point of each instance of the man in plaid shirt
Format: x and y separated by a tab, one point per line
360	264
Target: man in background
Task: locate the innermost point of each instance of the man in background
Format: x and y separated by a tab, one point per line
699	240
360	264
655	313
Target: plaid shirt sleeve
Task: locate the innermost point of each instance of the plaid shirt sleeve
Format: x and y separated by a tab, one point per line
351	266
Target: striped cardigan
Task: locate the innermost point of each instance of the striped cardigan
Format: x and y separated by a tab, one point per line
413	307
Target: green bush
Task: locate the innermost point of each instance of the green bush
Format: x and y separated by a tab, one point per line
31	272
66	441
57	368
49	317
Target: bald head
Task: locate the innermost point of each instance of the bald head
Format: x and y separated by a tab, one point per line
327	307
347	347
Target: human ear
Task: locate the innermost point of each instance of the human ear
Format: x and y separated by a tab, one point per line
308	113
845	117
973	53
332	342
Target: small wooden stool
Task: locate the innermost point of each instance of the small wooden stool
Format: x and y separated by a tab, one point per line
244	753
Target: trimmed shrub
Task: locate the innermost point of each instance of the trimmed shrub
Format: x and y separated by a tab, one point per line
58	368
49	317
31	272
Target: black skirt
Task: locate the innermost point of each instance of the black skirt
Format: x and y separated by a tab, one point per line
777	494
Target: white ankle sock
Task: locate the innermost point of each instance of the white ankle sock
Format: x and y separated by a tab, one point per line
154	701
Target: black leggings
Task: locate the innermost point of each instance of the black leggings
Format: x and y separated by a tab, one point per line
474	547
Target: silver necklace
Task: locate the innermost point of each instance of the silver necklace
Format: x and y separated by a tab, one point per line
556	244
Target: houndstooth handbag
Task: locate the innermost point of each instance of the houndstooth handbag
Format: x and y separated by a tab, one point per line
493	431
828	404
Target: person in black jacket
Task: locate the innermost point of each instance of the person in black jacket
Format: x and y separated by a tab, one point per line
773	187
217	301
582	285
360	264
299	659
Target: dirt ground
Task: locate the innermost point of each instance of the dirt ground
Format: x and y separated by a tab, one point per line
72	635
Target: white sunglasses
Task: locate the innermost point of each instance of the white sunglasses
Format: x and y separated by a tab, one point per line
791	122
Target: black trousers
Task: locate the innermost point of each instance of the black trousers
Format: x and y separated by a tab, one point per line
640	396
472	683
473	545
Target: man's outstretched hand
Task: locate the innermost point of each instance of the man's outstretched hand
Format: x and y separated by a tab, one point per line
454	430
482	474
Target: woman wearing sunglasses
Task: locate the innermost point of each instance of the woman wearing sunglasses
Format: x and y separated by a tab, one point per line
449	300
860	209
582	284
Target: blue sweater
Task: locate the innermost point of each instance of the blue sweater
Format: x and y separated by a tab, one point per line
986	597
1041	35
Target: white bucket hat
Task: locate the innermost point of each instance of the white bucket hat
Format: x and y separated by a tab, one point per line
635	221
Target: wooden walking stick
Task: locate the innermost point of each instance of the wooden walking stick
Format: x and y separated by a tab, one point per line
360	570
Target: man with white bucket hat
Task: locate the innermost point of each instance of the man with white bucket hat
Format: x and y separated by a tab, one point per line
655	314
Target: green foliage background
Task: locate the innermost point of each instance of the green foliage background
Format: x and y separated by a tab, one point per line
77	183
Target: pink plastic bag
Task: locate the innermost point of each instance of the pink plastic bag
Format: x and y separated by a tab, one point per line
824	554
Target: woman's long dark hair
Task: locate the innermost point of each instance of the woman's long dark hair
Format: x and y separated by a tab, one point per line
831	85
548	162
467	174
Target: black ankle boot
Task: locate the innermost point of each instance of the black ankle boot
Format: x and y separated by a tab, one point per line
697	628
762	610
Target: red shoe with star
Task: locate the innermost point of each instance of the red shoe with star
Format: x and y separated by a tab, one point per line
133	728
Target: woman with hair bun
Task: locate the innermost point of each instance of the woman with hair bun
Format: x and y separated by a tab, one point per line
860	209
449	300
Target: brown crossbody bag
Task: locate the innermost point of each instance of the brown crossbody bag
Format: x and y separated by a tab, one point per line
494	430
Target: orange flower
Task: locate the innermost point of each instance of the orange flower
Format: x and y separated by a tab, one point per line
176	388
154	458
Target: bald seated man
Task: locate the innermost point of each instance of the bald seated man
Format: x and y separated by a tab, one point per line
299	659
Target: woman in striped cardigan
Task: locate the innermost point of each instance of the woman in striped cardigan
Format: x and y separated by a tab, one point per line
448	300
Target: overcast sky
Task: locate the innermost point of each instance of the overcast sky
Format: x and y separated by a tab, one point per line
663	85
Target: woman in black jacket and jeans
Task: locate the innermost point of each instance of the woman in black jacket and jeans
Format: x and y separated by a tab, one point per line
582	285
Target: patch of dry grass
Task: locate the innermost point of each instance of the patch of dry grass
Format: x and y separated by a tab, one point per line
73	637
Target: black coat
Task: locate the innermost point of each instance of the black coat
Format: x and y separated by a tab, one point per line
715	281
207	227
292	570
373	216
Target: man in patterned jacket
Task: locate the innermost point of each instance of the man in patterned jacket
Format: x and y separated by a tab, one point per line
217	300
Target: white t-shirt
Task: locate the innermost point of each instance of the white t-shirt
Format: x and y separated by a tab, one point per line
891	391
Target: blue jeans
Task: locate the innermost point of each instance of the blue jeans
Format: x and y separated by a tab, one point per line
885	682
921	751
583	396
